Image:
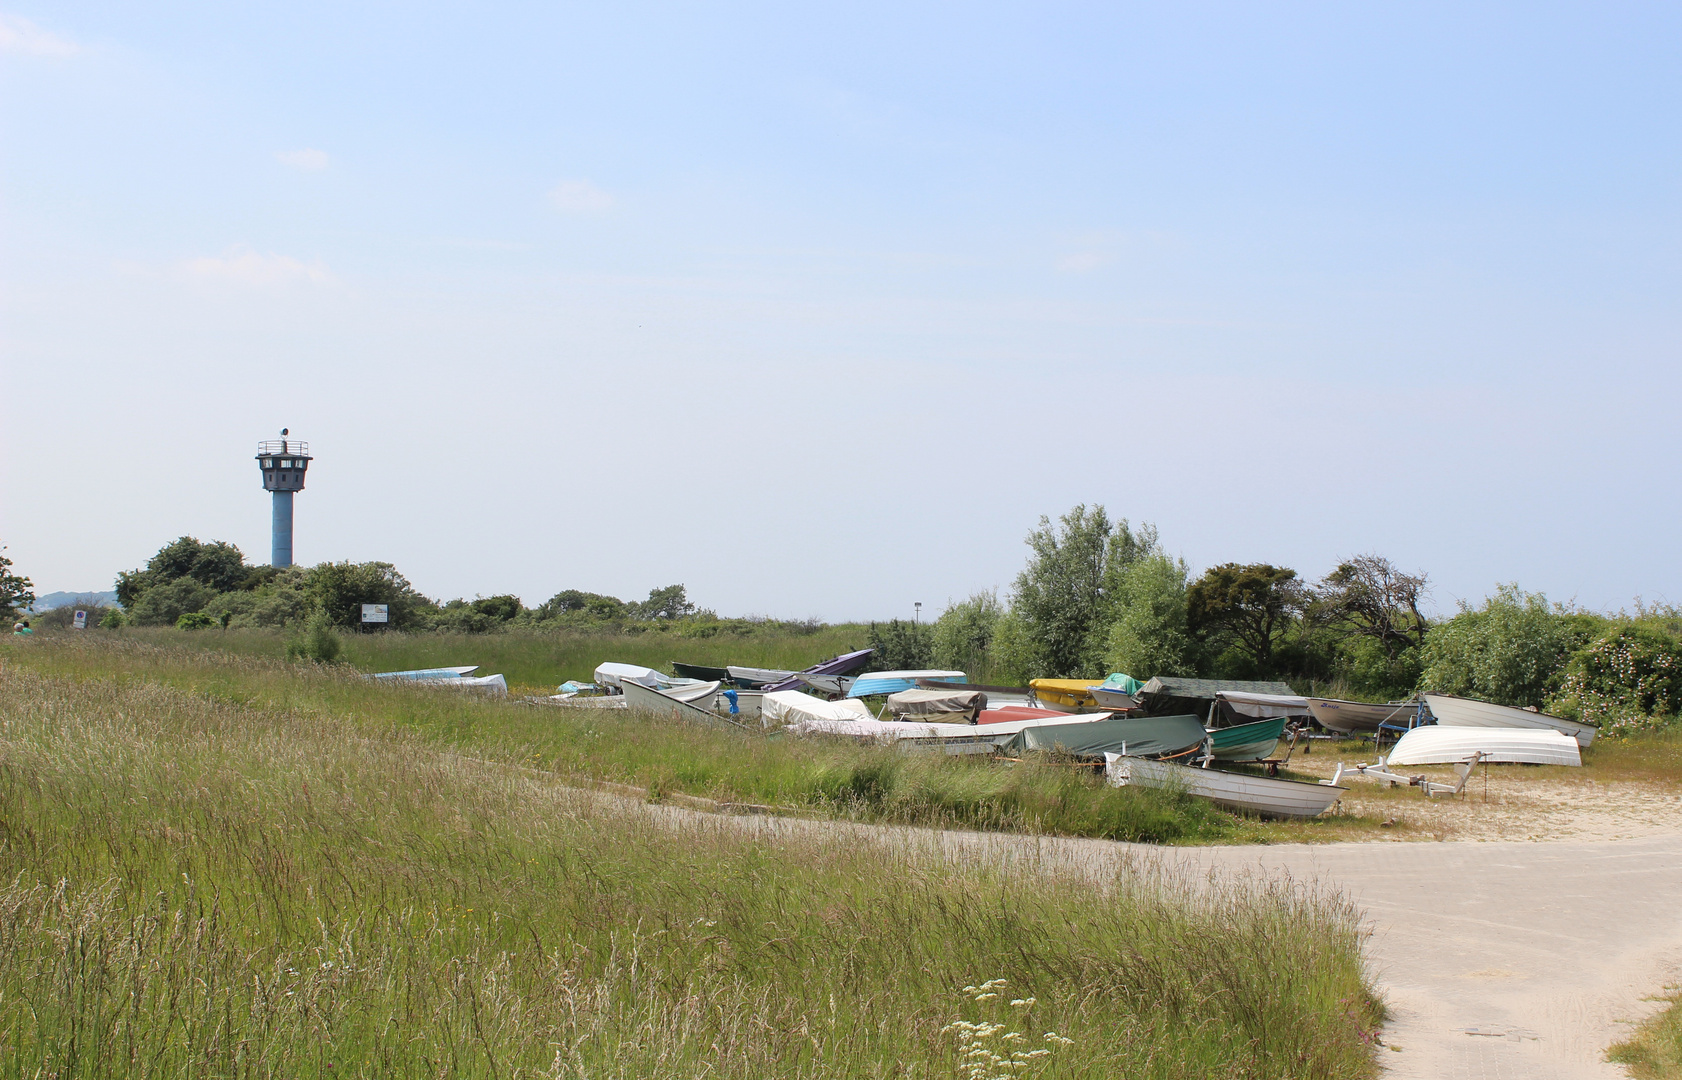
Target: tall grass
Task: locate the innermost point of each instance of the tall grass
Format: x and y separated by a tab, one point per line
1654	1050
538	658
206	882
872	783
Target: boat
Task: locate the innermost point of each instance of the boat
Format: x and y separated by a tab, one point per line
1020	712
1239	706
701	693
427	674
1452	711
953	706
1066	695
614	675
700	672
757	678
1144	736
780	708
490	684
1265	795
1105	698
845	664
1349	717
874	683
1441	744
1170	695
997	696
649	700
1247	742
833	685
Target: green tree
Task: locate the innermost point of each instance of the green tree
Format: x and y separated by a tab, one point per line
164	604
17	593
1151	632
1248	607
218	566
1511	651
963	635
503	608
901	646
578	602
671	602
1063	596
316	640
340	589
1367	596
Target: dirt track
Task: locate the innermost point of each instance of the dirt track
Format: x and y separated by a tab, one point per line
1500	959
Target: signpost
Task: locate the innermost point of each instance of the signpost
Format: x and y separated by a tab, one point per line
376	614
81	620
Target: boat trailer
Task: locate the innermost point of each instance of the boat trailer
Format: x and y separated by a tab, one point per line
1379	770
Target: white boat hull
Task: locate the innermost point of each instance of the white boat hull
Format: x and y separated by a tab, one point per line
1263	795
1443	744
1453	711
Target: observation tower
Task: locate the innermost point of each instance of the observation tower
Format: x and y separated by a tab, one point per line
283	461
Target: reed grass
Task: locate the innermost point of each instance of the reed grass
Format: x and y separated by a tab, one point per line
228	872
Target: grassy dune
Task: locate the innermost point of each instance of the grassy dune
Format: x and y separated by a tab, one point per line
1654	1051
237	872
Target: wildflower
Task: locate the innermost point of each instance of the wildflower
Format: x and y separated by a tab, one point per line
984	997
1024	1002
1053	1037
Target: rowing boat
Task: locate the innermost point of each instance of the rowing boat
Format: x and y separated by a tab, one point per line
700	672
1247	742
1441	744
757	678
1265	795
1348	717
1452	711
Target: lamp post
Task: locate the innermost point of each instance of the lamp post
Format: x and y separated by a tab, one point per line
917	616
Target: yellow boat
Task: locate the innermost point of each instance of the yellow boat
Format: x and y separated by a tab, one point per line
1065	695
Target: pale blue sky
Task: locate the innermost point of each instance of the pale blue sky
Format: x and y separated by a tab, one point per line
818	312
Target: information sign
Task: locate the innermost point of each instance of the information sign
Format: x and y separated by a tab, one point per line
376	613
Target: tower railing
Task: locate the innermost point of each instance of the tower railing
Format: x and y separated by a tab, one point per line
295	447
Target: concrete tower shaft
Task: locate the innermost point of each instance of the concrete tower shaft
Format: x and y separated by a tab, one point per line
283	462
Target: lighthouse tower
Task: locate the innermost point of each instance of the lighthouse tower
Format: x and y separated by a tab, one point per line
283	461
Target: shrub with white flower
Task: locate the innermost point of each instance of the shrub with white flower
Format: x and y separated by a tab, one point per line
1628	680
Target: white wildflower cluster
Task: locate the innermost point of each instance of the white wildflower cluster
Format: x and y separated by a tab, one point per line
987	1051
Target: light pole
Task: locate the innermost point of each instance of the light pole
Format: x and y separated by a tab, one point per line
917	616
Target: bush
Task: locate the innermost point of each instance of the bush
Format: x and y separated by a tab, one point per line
1151	635
163	605
112	619
1628	680
197	620
963	634
901	646
317	640
1511	651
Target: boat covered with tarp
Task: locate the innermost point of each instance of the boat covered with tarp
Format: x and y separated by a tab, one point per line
1171	696
845	664
951	706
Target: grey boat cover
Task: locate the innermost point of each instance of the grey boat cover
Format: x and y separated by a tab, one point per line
1239	706
950	703
1144	736
1165	696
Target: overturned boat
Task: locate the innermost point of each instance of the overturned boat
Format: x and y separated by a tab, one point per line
1354	717
1442	744
1452	711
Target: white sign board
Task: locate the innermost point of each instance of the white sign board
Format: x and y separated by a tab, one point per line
81	620
376	613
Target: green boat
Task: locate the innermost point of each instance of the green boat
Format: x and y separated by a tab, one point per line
704	674
1142	736
1248	742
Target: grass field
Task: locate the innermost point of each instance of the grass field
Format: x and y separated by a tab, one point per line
834	778
1654	1051
228	867
536	660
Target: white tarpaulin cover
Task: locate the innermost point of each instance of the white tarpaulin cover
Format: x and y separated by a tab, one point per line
966	704
611	674
1263	706
791	707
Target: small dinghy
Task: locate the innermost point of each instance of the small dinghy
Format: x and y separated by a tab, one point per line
1264	795
1443	745
1247	742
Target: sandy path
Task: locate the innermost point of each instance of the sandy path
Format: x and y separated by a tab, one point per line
1518	959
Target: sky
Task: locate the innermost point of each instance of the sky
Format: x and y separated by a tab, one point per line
818	311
